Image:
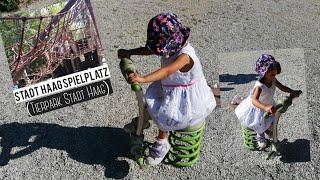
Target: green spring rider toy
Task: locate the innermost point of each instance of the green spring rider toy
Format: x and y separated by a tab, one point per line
185	144
281	107
249	139
249	136
137	144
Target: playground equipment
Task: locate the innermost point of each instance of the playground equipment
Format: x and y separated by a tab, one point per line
185	144
249	136
54	45
281	107
137	144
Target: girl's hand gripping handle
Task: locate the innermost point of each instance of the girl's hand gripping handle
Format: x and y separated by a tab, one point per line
283	104
127	67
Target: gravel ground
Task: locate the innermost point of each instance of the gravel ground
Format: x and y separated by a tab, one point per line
86	141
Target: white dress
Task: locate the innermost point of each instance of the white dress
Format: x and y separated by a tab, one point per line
251	116
182	99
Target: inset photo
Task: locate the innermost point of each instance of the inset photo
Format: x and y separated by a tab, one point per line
263	93
54	49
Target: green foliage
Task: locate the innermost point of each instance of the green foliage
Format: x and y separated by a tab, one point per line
55	8
8	5
36	64
10	31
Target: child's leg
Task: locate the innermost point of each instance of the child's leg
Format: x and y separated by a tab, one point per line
260	137
159	149
163	134
269	132
261	141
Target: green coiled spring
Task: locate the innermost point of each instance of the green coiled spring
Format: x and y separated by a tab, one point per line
249	139
185	146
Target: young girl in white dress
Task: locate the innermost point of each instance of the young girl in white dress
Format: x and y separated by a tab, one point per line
179	96
251	110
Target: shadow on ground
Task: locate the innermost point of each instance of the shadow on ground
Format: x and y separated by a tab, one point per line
89	145
297	151
235	79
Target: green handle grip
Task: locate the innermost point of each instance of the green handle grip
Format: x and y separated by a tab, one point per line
135	87
127	67
281	106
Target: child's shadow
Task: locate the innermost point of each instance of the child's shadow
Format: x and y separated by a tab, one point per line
297	151
89	145
236	79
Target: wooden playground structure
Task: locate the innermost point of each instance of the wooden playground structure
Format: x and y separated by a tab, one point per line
62	44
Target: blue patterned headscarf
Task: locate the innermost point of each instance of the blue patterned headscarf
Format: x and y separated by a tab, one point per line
166	34
264	63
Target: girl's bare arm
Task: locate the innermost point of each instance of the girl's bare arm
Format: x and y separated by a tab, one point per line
181	61
124	53
283	87
258	104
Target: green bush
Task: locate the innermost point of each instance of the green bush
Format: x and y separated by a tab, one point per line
8	5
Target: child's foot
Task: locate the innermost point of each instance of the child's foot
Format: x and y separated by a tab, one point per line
133	125
261	141
269	134
158	151
262	145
